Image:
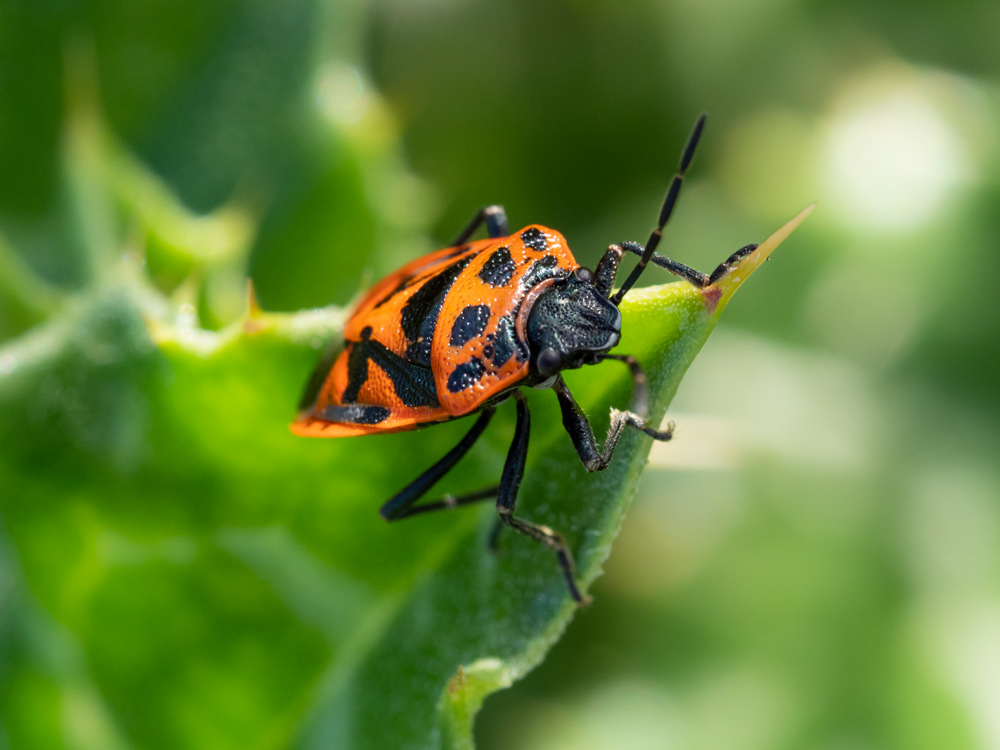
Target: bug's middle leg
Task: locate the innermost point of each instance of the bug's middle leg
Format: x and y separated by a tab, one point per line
510	480
582	434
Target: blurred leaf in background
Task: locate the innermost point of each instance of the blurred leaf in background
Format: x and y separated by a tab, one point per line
812	562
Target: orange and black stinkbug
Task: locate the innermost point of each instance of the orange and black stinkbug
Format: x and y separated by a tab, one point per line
463	329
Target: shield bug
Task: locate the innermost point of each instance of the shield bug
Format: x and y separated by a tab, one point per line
461	330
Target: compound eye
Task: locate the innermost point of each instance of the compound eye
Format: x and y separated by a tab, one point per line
584	274
548	362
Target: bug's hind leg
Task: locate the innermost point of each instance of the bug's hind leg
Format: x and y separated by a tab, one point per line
582	434
400	506
495	219
513	470
448	502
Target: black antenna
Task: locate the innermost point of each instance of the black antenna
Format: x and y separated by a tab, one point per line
668	206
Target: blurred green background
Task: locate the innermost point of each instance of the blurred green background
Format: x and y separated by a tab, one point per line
814	562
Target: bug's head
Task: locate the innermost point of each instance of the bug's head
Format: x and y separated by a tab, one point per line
570	321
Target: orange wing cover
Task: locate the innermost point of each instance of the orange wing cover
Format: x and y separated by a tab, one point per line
438	338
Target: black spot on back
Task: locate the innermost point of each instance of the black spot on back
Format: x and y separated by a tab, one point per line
355	414
498	269
420	314
534	239
470	323
466	374
542	269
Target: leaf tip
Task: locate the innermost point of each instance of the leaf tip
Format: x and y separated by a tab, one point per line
457	683
718	294
253	309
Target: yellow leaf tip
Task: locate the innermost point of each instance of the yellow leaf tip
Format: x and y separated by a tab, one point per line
253	304
727	285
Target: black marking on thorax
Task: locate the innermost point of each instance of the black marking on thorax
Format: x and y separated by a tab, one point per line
546	267
506	343
499	268
534	239
420	313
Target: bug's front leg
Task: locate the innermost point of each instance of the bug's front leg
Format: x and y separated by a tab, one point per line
604	276
582	434
687	273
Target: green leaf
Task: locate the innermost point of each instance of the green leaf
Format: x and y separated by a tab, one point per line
226	584
233	107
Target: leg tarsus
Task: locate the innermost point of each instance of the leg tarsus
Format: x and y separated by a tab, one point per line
619	421
731	262
554	541
582	434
